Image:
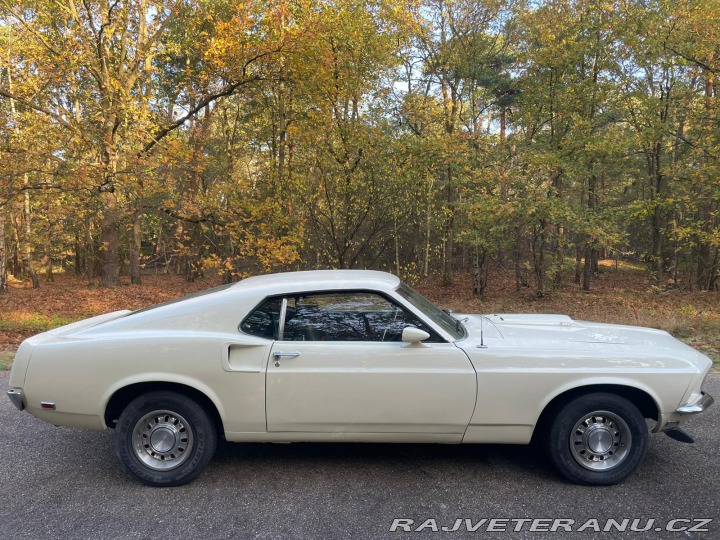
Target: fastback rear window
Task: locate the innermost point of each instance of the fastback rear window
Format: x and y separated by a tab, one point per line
183	298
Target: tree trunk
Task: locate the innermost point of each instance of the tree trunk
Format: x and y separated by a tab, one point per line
578	263
195	266
657	246
589	249
503	187
110	225
135	250
282	132
110	276
3	252
428	222
559	257
702	265
587	269
595	260
449	251
47	258
77	252
17	269
89	251
706	273
480	272
47	244
27	252
714	281
415	241
540	272
519	253
397	247
539	258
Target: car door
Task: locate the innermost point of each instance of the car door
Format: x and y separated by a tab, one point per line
340	367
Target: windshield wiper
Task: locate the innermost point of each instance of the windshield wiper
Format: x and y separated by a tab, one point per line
458	322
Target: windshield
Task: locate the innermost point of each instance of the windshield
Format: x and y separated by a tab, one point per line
451	325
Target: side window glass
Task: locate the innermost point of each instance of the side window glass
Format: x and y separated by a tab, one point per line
391	323
351	316
264	320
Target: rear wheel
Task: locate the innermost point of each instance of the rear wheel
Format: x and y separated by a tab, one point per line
164	439
597	439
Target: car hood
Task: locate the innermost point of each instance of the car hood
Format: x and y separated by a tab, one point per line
560	332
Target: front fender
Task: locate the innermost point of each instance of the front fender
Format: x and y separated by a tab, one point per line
587	382
518	397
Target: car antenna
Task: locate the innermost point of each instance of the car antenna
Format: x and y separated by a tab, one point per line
482	336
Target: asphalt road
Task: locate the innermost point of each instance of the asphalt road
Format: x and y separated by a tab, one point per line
65	483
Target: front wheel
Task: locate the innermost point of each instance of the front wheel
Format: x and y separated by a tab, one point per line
597	439
164	439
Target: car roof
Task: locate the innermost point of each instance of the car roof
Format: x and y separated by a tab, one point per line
321	280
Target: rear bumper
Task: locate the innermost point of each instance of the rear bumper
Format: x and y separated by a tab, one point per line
16	396
673	420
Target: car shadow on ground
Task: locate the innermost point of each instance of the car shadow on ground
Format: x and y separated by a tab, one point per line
427	458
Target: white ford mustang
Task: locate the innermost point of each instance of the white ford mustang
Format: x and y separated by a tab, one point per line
344	355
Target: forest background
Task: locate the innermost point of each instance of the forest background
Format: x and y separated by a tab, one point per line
557	155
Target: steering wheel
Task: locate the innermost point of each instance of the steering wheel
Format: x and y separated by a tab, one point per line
397	312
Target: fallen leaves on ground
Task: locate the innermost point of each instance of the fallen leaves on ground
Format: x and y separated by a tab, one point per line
623	296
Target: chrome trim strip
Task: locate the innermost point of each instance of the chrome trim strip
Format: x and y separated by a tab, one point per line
703	403
16	398
281	323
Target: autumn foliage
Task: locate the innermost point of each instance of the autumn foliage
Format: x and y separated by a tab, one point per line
212	139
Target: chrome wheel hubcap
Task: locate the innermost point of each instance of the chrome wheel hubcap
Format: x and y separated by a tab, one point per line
162	440
600	441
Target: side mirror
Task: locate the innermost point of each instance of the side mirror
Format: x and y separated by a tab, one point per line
410	334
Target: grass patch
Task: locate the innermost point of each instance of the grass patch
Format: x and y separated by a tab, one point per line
697	329
6	359
33	323
707	342
611	264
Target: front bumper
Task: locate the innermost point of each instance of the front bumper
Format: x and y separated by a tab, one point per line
703	403
16	396
673	420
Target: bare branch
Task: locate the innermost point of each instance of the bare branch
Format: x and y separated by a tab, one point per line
27	27
694	60
57	117
29	187
204	219
164	132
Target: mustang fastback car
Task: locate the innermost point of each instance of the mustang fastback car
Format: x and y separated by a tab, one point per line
346	355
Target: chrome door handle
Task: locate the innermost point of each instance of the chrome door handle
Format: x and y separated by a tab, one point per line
278	355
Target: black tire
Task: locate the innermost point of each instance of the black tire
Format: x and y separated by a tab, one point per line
597	439
164	439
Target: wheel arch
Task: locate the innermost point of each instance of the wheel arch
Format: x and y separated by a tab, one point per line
642	399
124	395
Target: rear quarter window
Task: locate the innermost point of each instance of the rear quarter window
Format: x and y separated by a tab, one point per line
264	320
